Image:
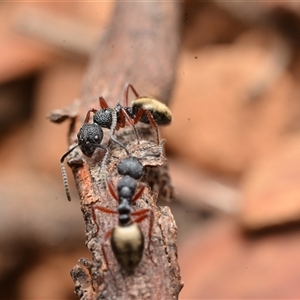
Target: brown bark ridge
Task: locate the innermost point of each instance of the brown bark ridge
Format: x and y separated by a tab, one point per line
140	47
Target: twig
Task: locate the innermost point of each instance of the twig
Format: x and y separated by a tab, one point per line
140	47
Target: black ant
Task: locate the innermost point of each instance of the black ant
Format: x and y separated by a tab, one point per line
89	138
127	239
144	109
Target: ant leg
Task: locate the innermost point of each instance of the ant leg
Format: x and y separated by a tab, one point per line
87	117
127	86
138	116
103	103
122	122
112	131
103	209
145	212
125	117
107	235
138	194
112	189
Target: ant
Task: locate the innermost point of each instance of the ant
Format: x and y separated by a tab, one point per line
89	138
144	109
127	239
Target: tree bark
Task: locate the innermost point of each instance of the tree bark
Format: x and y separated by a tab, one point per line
140	47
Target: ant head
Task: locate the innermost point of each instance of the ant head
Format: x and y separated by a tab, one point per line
103	117
89	138
131	166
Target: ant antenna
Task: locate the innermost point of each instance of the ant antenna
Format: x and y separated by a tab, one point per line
64	172
112	131
65	181
102	171
67	153
113	122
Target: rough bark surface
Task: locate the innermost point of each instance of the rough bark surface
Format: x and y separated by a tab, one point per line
140	47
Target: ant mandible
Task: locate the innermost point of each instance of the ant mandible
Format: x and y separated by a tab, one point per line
127	239
143	109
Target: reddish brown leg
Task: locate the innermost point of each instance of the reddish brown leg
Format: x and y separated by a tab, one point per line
87	117
128	86
125	117
138	194
112	189
107	235
143	213
101	208
150	118
122	123
103	103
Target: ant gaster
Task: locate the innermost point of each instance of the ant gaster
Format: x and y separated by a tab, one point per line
127	239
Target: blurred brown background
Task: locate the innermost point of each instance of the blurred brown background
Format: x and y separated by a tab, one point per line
234	147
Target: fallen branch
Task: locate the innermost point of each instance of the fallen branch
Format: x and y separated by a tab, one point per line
140	47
